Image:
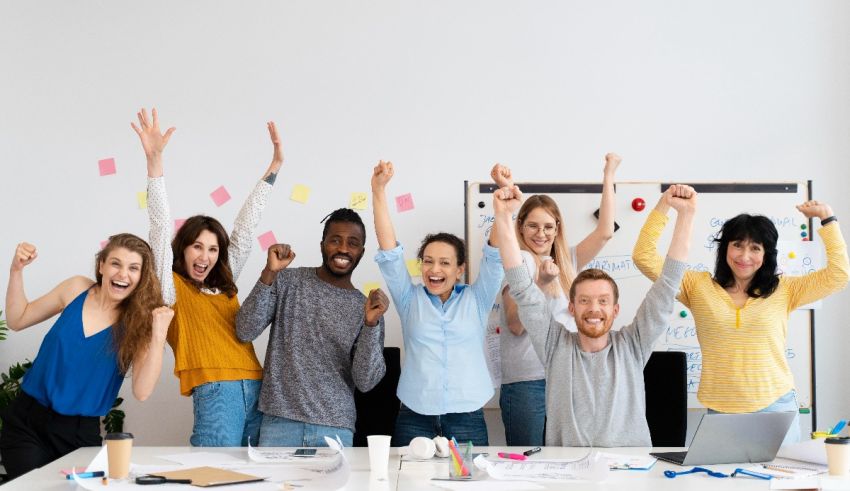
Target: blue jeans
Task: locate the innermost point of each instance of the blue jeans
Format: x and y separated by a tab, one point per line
226	413
465	427
524	412
283	432
785	403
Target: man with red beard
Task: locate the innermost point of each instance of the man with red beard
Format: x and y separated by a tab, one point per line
326	338
594	377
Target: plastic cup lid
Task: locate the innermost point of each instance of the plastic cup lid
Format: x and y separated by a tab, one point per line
841	440
119	436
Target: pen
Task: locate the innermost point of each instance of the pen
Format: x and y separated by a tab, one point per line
534	450
745	472
86	474
512	456
776	468
838	427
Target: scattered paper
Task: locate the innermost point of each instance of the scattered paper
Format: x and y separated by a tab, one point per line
593	467
807	451
358	201
220	196
368	287
142	199
194	459
267	240
629	462
487	485
106	166
404	202
300	193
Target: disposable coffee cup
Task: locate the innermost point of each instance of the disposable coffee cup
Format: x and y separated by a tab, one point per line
838	455
422	448
118	449
379	455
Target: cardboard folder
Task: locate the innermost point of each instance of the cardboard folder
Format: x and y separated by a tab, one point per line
210	476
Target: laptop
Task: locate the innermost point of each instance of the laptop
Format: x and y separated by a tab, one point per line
734	438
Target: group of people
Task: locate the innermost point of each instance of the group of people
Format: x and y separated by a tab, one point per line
563	368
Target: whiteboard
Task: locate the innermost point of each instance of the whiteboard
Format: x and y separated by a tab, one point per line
717	202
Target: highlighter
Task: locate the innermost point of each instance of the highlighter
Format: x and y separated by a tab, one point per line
512	456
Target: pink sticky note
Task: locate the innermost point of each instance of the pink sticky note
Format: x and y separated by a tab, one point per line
103	243
404	202
267	240
106	166
220	196
178	222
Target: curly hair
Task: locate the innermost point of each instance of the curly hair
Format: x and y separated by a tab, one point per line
445	237
133	331
758	229
560	252
221	276
343	215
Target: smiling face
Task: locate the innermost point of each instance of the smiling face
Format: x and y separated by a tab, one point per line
440	270
538	231
744	258
201	256
342	248
120	273
594	307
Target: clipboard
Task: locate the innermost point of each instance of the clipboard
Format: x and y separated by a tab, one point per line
210	476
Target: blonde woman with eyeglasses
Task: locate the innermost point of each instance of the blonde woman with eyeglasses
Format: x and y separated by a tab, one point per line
547	255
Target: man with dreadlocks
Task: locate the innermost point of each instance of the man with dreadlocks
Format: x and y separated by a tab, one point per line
326	338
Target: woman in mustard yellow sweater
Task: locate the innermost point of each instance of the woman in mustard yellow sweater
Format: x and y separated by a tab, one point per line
198	272
741	312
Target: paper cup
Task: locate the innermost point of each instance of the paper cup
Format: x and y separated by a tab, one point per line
118	449
379	455
838	455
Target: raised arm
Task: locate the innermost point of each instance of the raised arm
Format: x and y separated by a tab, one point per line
503	177
20	312
381	175
242	236
506	201
258	309
368	366
147	365
683	199
153	143
645	253
588	248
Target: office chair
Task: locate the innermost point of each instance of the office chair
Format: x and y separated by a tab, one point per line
665	381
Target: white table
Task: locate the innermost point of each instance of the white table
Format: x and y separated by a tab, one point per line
411	476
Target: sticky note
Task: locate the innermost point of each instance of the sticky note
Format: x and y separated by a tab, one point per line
792	255
404	202
414	267
103	243
267	240
178	222
358	201
300	193
220	196
142	198
106	166
368	287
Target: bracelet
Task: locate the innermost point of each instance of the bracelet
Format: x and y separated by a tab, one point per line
827	220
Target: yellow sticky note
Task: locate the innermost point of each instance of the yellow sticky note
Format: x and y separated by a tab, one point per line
142	198
358	201
792	255
414	267
300	193
368	287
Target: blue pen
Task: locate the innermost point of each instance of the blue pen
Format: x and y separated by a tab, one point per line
84	475
838	427
766	477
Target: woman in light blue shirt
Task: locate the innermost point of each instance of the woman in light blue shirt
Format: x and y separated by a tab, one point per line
444	379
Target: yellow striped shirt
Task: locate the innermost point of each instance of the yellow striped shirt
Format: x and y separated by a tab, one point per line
744	368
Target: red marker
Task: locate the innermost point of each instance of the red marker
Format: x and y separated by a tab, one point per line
512	456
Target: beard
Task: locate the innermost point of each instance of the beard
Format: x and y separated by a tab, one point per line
327	263
594	331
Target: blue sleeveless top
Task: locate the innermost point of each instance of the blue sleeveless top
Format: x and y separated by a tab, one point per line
72	374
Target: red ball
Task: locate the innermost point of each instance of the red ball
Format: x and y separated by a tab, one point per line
638	204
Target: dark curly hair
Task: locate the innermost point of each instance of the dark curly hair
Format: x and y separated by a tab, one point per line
758	229
343	215
450	239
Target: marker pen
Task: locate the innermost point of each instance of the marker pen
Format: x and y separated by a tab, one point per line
84	475
512	456
532	451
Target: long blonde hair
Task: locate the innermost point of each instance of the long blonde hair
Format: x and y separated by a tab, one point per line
560	252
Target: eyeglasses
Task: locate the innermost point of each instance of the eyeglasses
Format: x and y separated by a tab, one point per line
548	229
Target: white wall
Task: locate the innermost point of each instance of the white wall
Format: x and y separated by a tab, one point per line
683	90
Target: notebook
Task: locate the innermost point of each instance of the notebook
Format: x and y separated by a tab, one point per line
734	438
209	476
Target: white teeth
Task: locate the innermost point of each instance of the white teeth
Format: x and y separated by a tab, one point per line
435	278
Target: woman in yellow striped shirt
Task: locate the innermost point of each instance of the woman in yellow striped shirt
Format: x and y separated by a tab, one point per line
741	312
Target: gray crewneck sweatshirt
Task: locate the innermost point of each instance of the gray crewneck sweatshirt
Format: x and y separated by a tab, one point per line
596	399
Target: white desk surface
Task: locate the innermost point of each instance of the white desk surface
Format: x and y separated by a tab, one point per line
407	476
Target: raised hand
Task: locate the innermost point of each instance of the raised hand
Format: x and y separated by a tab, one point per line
381	174
279	257
25	253
153	140
612	161
501	175
507	200
277	156
815	209
682	198
161	320
548	272
376	305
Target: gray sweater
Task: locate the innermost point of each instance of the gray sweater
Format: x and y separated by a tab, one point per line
319	347
596	399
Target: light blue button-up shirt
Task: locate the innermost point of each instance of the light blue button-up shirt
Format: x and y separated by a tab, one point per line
444	369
